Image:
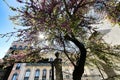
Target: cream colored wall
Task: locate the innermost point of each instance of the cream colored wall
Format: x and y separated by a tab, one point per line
13	71
23	44
20	43
23	69
32	69
89	71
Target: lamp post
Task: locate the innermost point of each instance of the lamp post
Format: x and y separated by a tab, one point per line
52	64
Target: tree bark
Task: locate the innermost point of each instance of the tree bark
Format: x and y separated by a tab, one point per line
79	67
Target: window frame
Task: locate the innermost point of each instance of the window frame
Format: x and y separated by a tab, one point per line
18	66
14	47
14	77
44	74
20	47
27	74
51	59
37	74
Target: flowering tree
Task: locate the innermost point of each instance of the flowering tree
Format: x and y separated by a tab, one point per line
65	23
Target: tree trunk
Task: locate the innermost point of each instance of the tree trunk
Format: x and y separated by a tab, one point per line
79	67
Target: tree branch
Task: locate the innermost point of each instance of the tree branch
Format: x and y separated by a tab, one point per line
66	7
81	5
67	54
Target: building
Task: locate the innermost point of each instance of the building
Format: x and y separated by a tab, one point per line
35	71
43	70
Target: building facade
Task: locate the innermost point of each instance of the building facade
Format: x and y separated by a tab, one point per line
37	71
43	71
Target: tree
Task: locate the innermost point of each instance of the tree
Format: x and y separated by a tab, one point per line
105	57
65	22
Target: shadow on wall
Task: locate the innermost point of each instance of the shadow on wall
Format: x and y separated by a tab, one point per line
6	72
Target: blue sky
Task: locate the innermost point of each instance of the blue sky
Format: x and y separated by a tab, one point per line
6	25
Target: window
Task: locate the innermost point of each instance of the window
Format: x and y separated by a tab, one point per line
44	74
20	47
18	66
37	74
50	74
67	77
14	47
14	76
25	47
31	47
51	59
27	74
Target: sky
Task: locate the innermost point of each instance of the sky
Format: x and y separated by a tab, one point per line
7	26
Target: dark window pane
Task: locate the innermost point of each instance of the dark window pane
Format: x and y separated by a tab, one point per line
20	47
27	74
14	47
25	47
26	78
18	66
44	74
37	74
36	78
51	59
50	74
14	76
67	77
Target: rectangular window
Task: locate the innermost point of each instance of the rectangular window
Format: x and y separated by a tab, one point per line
14	76
44	74
18	66
37	74
27	74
